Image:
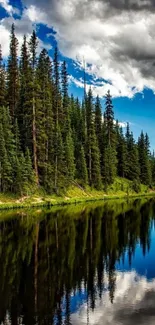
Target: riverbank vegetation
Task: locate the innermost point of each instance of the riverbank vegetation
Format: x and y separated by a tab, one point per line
120	189
51	143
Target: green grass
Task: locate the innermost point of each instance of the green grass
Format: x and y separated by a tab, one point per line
121	188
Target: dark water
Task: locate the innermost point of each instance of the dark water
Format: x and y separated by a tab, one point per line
92	264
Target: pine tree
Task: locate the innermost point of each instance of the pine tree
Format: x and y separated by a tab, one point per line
121	154
69	157
33	59
93	154
29	174
57	114
82	172
64	81
5	119
145	170
109	119
110	166
98	122
44	119
13	76
132	162
60	166
17	138
2	81
45	129
109	141
25	99
5	166
19	174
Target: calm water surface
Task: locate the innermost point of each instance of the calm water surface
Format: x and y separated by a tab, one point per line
92	264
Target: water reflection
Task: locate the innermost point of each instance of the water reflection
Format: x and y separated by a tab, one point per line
79	265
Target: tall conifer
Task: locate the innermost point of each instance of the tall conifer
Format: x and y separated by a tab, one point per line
13	75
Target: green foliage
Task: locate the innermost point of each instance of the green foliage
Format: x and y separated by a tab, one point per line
145	167
50	140
13	75
136	186
110	165
2	81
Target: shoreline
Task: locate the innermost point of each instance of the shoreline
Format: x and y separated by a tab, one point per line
48	202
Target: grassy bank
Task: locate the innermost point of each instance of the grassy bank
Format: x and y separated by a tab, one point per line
122	188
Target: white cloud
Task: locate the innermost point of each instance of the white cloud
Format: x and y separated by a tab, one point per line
133	303
23	27
118	44
123	124
5	4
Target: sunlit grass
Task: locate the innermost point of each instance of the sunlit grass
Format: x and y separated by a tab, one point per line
121	188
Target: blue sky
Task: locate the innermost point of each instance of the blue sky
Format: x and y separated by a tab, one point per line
116	42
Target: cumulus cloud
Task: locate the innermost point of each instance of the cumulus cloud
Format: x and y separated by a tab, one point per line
23	26
117	38
5	4
133	303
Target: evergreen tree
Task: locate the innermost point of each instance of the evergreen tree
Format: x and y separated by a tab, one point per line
29	174
17	138
5	166
57	116
50	139
44	119
145	168
13	76
93	155
59	166
109	155
110	166
69	157
121	154
82	172
109	119
33	59
25	99
98	121
64	81
5	119
132	162
2	81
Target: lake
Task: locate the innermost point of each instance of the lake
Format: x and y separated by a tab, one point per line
81	264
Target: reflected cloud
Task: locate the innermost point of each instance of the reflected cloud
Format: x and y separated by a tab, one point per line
134	302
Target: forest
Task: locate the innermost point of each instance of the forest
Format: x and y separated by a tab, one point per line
51	139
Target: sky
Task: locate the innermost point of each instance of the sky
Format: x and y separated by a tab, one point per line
115	38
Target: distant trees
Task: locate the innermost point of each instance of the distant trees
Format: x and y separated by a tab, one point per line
51	139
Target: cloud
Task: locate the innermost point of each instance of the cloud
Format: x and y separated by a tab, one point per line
123	124
23	26
5	4
133	303
115	37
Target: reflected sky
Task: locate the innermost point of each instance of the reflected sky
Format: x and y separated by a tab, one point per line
134	303
84	264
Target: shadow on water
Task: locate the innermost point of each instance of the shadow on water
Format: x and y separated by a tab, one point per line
77	265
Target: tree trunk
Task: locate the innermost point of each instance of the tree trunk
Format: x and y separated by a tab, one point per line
35	143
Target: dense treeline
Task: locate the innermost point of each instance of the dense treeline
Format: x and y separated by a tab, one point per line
51	139
40	255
